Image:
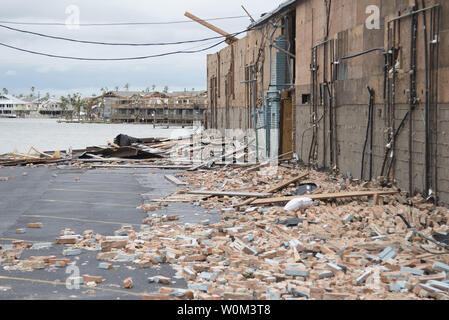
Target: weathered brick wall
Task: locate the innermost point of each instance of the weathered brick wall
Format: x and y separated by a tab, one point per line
233	111
351	105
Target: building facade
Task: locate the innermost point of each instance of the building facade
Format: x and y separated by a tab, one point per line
8	106
178	109
359	86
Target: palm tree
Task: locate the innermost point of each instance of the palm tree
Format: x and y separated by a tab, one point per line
116	88
126	86
64	105
153	87
32	91
165	89
5	91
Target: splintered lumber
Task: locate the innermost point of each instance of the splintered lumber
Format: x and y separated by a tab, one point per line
286	183
231	193
274	189
326	196
180	198
175	180
229	38
117	166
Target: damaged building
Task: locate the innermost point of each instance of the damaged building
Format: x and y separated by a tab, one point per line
358	86
178	108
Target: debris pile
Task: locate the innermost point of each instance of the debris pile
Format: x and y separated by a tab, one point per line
355	241
192	152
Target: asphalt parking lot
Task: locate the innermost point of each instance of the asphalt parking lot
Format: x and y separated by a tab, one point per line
99	200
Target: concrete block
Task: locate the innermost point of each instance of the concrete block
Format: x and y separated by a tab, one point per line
125	257
387	253
105	265
438	266
209	276
415	272
71	252
199	286
159	279
399	286
271	261
76	280
439	285
296	270
42	245
325	275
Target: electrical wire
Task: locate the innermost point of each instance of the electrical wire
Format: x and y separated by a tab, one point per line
110	59
116	59
109	43
116	23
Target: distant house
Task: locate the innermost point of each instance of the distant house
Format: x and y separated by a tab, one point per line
8	105
53	108
28	110
176	108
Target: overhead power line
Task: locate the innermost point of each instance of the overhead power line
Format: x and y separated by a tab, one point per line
108	59
115	23
115	59
108	43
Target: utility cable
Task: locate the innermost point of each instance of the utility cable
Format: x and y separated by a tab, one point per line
116	23
109	59
114	59
110	43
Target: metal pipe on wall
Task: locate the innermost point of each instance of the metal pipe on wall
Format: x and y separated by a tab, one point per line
427	112
413	98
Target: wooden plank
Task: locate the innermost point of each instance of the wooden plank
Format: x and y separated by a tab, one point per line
282	185
210	26
175	180
117	166
273	189
230	193
325	196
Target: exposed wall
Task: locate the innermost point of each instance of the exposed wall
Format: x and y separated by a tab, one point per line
347	27
229	68
230	106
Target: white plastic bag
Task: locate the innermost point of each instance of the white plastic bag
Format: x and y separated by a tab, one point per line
298	204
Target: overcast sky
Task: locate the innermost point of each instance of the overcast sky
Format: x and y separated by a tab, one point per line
20	71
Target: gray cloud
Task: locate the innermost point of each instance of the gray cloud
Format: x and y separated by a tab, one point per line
59	76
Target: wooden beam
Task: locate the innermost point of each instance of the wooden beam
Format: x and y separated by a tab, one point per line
273	189
230	193
175	180
230	38
117	166
325	196
287	183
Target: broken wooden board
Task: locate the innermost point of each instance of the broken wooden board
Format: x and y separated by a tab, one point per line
231	193
325	196
175	180
168	167
180	198
274	189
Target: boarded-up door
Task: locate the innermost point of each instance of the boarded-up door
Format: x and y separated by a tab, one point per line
286	122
